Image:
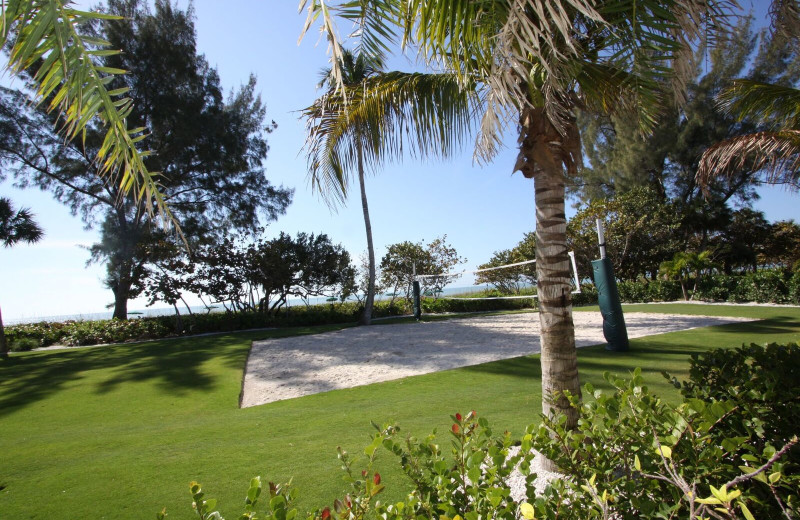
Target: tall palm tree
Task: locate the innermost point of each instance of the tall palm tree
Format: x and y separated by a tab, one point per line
356	70
536	63
15	226
364	124
775	151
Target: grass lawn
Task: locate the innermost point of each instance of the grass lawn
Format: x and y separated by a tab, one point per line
120	431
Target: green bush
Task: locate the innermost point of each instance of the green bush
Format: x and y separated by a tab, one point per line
643	291
765	286
728	451
23	345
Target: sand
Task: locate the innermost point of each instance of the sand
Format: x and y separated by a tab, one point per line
285	368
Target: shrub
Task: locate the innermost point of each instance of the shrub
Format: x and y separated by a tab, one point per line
728	451
23	345
765	286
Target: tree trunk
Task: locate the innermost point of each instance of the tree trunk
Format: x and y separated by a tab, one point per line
121	291
546	155
3	344
559	355
366	317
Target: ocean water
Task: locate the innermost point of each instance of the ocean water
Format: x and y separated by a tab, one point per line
168	311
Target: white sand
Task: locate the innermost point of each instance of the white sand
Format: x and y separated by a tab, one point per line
284	368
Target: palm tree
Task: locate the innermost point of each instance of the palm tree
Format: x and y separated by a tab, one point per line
15	226
535	64
364	123
356	70
775	151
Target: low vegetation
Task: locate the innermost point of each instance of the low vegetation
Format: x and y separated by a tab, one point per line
137	423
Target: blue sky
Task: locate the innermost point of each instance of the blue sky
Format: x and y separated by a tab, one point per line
481	209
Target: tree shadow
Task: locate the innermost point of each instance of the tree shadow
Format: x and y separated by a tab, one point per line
176	366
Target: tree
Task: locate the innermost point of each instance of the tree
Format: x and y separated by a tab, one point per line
15	226
683	265
511	279
209	151
433	260
640	233
357	69
364	124
62	64
537	66
771	99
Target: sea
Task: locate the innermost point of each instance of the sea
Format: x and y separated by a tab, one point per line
168	311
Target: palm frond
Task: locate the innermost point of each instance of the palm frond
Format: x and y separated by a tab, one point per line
776	154
383	118
785	18
44	38
763	102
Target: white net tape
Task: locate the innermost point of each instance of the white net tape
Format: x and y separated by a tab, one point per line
461	273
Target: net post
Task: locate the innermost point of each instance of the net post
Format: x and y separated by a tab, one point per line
417	302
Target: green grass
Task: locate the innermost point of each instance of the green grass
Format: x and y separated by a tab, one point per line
119	432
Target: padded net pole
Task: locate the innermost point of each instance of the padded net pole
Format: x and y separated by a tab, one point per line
614	329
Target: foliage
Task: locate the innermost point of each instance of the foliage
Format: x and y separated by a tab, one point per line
403	259
640	232
649	291
763	286
23	345
210	151
764	384
512	279
634	456
728	450
17	226
46	45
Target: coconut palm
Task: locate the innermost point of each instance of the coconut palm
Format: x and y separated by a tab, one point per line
363	125
15	226
775	151
535	64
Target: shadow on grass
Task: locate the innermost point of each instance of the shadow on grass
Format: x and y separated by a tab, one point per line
177	366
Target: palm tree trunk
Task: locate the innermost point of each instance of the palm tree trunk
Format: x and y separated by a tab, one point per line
366	317
544	152
559	355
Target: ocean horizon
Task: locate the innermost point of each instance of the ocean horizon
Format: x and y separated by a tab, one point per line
168	311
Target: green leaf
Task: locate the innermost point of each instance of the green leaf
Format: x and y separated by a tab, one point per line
527	511
746	512
636	463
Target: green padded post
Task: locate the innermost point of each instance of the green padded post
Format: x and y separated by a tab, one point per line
610	307
417	304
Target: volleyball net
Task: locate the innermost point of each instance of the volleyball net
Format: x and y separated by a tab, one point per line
509	280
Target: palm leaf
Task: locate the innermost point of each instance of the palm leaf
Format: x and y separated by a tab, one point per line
776	154
44	39
763	102
383	118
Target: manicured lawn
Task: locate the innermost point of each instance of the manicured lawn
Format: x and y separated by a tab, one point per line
119	432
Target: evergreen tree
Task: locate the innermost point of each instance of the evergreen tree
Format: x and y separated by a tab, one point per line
209	150
667	161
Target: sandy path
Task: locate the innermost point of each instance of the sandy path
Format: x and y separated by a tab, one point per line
292	367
